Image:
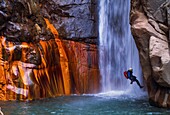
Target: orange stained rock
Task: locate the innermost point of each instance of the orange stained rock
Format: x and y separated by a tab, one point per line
63	59
83	64
52	28
64	67
2	77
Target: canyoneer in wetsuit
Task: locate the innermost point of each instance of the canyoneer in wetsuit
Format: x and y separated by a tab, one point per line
128	74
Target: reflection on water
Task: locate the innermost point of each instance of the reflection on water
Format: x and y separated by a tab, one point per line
84	105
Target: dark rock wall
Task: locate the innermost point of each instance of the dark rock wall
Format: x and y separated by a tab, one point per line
74	19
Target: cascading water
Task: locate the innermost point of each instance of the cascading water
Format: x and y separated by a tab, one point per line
117	48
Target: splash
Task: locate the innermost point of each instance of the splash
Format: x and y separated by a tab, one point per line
117	48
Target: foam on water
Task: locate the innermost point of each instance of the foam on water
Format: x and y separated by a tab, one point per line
121	94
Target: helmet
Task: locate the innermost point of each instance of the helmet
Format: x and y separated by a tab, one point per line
130	69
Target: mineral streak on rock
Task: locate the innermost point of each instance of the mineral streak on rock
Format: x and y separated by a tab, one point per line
35	63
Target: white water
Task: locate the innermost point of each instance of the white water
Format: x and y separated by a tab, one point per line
118	51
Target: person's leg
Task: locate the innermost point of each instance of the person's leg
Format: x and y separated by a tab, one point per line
138	83
131	82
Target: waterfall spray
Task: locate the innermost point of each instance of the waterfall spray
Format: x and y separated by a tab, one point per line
117	48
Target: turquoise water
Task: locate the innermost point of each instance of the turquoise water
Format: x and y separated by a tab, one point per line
84	105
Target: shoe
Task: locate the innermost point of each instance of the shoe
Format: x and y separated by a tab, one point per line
141	86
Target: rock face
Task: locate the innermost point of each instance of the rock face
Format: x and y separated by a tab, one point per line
74	19
34	62
150	25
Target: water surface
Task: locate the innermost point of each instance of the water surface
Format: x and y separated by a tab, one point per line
100	104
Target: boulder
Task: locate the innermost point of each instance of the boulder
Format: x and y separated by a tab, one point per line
150	29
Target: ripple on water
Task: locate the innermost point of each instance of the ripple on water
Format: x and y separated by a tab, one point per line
87	104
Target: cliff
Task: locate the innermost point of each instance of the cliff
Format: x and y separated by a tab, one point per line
74	19
150	23
47	48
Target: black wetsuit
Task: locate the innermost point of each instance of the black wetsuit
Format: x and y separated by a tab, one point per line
133	78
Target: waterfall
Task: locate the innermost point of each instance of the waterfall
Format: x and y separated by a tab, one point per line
118	51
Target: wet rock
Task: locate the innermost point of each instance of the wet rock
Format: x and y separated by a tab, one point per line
149	25
73	19
34	62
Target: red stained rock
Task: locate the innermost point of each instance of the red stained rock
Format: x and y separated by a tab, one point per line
35	63
28	80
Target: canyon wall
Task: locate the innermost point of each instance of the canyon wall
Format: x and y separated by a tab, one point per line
74	19
48	48
150	26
